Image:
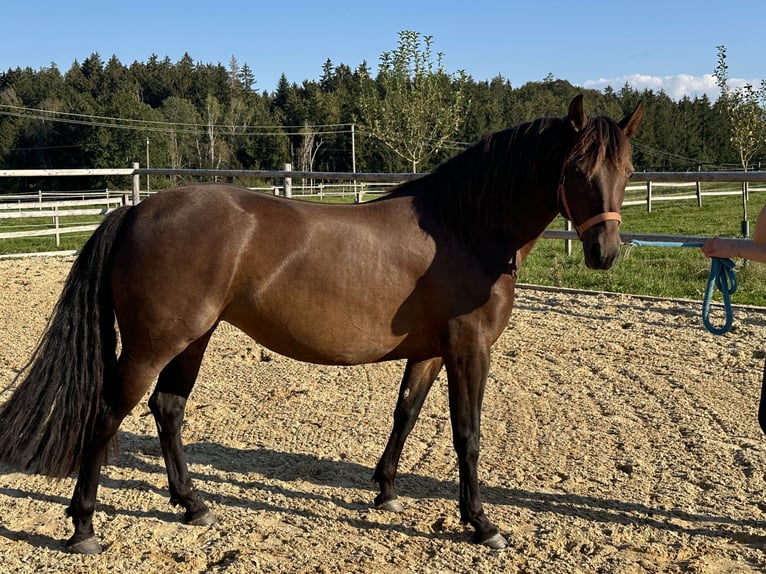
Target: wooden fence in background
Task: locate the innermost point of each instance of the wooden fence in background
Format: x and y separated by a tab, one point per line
51	205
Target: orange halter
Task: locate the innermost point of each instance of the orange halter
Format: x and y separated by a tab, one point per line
588	223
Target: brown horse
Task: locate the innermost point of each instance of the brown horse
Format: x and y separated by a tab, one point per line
426	274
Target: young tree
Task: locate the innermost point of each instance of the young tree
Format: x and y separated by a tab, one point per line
744	108
745	112
414	106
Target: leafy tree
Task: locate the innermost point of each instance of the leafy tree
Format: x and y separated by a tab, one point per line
745	112
744	109
212	151
182	132
489	110
210	80
267	148
414	107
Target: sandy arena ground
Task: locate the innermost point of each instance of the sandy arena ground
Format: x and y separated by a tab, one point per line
619	436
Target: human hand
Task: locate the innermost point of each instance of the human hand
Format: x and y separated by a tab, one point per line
721	247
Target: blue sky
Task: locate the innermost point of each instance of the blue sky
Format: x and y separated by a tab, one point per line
668	45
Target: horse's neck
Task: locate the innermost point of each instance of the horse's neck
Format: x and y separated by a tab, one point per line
532	218
501	191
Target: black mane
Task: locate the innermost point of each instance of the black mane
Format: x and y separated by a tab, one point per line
473	192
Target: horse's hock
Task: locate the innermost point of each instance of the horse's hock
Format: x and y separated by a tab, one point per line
618	435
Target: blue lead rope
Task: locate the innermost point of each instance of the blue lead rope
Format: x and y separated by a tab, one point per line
721	276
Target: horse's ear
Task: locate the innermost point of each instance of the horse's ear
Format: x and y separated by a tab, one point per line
577	118
630	123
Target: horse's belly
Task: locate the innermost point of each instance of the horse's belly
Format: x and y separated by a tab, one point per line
335	305
318	335
324	344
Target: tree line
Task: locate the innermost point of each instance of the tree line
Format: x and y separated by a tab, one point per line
189	114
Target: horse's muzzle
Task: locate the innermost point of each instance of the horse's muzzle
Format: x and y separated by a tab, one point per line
601	247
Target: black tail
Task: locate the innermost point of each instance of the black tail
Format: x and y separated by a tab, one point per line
49	418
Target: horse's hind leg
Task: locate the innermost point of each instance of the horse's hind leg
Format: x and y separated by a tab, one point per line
83	503
417	381
122	391
167	403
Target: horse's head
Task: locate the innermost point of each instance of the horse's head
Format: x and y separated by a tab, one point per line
593	180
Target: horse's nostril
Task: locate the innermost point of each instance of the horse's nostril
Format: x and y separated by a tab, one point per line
598	257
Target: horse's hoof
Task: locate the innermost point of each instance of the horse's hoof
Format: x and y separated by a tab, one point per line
87	546
392	505
496	542
206	519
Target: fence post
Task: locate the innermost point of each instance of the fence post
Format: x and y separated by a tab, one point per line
699	189
288	181
745	222
56	225
136	184
568	242
649	196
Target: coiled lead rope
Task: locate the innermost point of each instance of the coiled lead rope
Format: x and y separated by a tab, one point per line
721	276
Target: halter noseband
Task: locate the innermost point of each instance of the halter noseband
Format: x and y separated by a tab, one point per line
588	223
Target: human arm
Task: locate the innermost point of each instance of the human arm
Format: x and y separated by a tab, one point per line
734	248
753	249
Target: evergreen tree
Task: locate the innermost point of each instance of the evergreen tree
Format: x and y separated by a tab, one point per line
209	115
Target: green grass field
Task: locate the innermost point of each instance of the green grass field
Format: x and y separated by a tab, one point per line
655	271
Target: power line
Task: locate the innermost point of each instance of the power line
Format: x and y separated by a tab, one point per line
169	127
671	156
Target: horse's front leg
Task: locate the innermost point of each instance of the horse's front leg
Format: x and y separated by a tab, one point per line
417	381
467	370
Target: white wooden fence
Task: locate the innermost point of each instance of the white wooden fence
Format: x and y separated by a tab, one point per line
55	210
17	207
668	192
